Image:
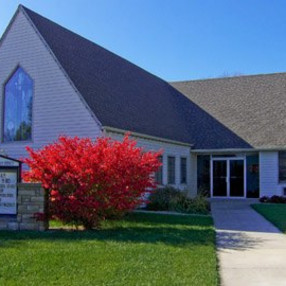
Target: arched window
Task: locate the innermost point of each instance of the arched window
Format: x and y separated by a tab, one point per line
18	96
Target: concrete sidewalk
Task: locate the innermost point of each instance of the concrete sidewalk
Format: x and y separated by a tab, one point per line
251	250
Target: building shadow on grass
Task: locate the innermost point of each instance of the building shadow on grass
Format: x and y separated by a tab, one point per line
176	231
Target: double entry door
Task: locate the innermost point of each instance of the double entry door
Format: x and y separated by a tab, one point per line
228	177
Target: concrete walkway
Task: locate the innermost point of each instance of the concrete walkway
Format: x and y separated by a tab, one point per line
251	250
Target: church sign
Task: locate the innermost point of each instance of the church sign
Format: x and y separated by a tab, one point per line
10	170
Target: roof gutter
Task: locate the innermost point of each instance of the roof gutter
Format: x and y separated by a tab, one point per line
144	136
234	150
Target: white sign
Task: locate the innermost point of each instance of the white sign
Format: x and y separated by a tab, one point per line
8	192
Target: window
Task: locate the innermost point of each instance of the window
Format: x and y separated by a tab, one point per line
183	170
159	173
203	174
171	170
282	166
252	175
18	95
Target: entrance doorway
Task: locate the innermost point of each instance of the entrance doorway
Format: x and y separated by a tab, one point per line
228	177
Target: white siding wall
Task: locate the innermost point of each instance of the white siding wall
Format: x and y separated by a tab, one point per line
57	108
269	174
177	151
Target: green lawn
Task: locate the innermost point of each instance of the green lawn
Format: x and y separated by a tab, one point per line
275	213
142	249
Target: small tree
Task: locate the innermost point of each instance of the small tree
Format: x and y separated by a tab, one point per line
88	181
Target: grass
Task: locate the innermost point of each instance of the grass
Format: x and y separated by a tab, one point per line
275	213
141	249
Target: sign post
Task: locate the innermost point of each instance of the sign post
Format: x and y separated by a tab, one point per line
10	175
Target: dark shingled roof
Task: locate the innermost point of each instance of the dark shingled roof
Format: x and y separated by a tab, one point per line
253	107
124	96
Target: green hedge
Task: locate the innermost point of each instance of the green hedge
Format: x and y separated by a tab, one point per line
171	199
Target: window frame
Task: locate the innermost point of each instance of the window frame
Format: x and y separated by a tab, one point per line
185	182
280	179
10	75
168	170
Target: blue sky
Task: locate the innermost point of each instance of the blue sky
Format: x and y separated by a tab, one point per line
176	39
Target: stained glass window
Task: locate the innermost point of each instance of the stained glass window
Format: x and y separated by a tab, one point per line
18	107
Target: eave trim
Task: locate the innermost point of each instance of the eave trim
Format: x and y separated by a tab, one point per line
145	136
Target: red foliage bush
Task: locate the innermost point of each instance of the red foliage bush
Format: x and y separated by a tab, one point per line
89	181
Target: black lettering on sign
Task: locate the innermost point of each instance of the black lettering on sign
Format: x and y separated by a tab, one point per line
10	186
7	205
6	195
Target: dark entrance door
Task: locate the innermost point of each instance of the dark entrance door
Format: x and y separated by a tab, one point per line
219	178
228	178
236	178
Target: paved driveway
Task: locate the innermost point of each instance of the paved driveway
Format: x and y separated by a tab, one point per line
251	250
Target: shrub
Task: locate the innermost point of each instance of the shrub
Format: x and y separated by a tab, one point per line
274	199
88	181
171	199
